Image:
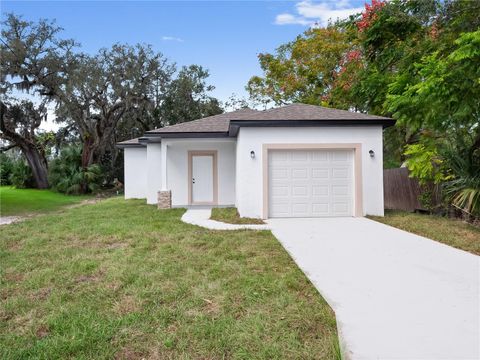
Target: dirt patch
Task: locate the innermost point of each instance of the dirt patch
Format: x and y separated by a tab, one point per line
41	294
86	202
24	323
4	295
89	278
172	328
14	277
6	315
6	220
128	304
14	246
42	331
114	285
211	307
93	242
129	354
86	278
118	245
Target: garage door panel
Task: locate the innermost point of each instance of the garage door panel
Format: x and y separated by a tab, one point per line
320	209
339	190
280	173
279	190
300	156
310	183
300	190
300	173
340	173
301	208
281	209
278	157
341	208
320	173
319	156
320	190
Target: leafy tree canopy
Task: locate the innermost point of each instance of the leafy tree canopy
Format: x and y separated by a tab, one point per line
99	99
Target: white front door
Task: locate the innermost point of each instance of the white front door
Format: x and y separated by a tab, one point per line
202	179
310	183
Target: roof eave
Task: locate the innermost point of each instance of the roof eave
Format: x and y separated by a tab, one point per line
128	146
236	124
179	135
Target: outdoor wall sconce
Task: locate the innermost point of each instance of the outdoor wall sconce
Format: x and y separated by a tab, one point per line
252	154
372	153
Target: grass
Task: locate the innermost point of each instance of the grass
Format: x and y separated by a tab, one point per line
451	232
120	279
28	201
231	216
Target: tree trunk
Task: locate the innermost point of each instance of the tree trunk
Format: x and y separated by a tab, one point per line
87	152
27	143
38	164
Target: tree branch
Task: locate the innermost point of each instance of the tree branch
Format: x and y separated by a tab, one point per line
7	147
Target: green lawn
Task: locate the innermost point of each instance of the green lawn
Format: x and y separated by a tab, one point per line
121	279
27	201
452	232
230	215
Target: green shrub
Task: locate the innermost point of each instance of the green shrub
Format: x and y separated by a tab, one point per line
464	189
66	174
425	163
6	168
21	176
425	198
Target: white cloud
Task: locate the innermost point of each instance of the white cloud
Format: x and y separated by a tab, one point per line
171	38
311	13
289	19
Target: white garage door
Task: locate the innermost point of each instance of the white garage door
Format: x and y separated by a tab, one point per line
310	183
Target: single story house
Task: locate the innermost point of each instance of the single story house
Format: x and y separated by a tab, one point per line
293	161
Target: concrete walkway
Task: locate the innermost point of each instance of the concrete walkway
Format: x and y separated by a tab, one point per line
395	295
201	217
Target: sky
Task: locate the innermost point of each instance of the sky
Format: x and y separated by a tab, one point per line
223	36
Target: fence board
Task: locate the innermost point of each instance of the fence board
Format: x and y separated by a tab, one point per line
400	191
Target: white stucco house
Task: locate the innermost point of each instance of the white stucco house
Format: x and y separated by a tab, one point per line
293	161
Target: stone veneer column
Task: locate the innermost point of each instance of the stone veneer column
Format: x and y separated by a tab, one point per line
164	199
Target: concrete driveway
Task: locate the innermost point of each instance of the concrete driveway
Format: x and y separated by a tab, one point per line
396	295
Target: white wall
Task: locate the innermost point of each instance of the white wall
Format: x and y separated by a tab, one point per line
135	167
177	167
249	181
154	172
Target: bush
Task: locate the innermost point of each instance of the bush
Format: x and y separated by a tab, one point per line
66	174
464	189
6	168
21	176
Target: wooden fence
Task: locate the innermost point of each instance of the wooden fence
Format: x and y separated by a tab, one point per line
400	192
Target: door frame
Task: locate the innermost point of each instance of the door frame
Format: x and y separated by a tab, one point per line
213	154
357	166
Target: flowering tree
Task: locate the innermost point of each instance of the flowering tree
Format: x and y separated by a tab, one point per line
370	14
303	70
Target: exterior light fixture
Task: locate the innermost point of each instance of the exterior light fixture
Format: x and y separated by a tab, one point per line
252	154
372	153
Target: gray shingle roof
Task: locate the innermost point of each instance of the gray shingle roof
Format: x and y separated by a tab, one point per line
308	112
131	142
215	123
227	124
221	122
